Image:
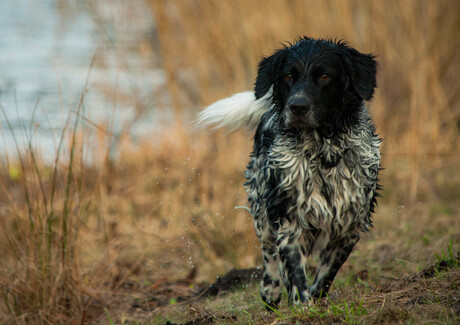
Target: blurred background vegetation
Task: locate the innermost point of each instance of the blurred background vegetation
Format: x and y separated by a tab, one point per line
416	105
74	233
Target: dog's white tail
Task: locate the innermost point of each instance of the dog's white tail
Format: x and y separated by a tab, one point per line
241	109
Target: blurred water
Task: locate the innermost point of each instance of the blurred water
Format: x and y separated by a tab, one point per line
46	49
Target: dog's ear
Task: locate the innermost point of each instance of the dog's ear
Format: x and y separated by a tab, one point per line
362	69
268	71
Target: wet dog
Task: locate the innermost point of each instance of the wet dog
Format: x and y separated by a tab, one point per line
313	174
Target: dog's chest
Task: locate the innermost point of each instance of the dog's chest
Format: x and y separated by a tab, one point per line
331	197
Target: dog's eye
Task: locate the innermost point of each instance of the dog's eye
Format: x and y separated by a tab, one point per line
288	77
324	77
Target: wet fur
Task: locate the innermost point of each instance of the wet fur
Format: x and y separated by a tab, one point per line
313	174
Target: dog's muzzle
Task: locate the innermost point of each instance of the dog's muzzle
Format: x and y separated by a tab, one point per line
301	113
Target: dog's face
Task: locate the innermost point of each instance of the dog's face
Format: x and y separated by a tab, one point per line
317	84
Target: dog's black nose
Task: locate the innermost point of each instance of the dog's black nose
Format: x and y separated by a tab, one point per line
299	107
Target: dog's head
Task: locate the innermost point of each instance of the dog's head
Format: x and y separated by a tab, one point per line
317	84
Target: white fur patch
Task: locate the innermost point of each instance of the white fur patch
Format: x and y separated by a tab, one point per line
241	109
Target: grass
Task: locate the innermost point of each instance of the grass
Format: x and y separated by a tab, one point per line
415	299
448	256
90	242
409	301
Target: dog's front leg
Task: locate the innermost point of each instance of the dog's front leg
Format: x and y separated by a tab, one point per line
331	259
270	285
293	251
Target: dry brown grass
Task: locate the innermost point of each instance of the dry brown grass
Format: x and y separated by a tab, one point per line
416	106
166	204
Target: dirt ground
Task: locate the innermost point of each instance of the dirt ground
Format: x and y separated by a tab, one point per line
431	295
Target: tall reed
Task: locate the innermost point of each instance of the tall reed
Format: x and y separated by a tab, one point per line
39	274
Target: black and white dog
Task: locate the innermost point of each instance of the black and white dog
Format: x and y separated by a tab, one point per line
313	174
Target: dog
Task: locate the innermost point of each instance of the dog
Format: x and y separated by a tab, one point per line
312	179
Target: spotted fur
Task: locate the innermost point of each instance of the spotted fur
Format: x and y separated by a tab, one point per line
313	174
